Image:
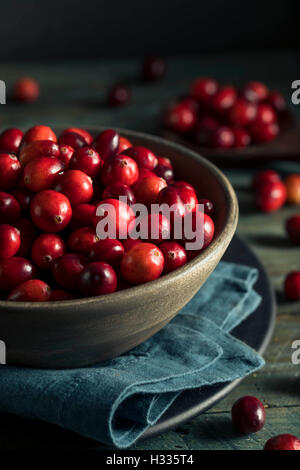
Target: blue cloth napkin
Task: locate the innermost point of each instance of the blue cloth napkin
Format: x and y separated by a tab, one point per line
116	401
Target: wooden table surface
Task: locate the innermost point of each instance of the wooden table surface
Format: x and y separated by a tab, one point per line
73	95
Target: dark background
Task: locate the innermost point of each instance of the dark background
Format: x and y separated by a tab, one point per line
53	29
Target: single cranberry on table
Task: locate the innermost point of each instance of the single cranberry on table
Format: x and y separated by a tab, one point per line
264	132
82	216
124	144
67	268
292	286
97	278
39	133
293	228
153	68
9	208
26	89
224	99
110	251
270	196
38	148
248	414
154	228
50	211
116	216
147	189
76	185
208	206
28	233
82	240
10	171
203	89
83	133
116	190
242	113
66	152
14	271
10	140
265	114
292	184
179	118
277	101
31	291
265	176
10	241
42	173
120	169
46	248
23	196
119	95
241	137
72	139
107	144
174	256
86	159
222	137
142	263
60	294
283	442
255	91
143	157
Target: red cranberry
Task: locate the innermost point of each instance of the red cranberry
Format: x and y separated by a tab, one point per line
292	184
276	100
27	89
179	118
65	154
147	189
38	148
190	102
124	144
39	133
72	139
283	442
248	414
10	241
164	172
97	278
224	99
46	248
82	216
242	113
87	160
120	169
109	250
143	157
10	170
223	137
203	224
67	268
142	263
154	228
41	173
270	196
83	133
293	228
10	140
171	196
82	240
50	211
76	185
60	294
120	216
208	206
265	114
153	68
116	190
187	194
165	162
119	95
174	255
28	234
107	144
15	271
255	91
203	89
264	132
9	209
241	137
204	128
129	243
144	172
265	176
292	286
23	196
31	291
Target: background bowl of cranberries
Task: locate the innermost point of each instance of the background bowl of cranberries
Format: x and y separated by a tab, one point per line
69	299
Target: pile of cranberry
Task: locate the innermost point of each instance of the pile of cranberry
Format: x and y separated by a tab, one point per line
50	191
224	117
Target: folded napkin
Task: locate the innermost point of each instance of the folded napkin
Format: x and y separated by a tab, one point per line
116	401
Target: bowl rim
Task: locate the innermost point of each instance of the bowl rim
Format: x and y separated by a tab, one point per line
132	292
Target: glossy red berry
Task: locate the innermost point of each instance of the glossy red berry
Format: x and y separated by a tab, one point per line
164	172
83	133
46	248
72	139
116	216
124	144
283	442
82	240
142	263
82	216
28	233
187	194
144	172
10	171
86	159
224	99
120	169
154	228
265	114
203	89
27	89
264	132
292	286
248	415
39	133
24	197
242	113
255	91
197	228
270	196
208	206
119	95
129	243
174	256
9	209
147	189
65	154
116	190
50	211
38	148
241	137
10	241
276	100
31	291
42	173
76	185
265	176
179	118
107	144
178	200
153	68
222	137
97	278
143	157
60	294
15	271
109	250
10	140
67	268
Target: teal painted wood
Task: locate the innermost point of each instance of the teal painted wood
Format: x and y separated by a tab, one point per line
73	94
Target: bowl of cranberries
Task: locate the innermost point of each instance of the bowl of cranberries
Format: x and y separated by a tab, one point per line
88	270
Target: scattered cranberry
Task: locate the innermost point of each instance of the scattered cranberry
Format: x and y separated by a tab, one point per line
28	233
83	133
179	118
248	414
147	189
124	144
50	211
292	184
31	291
264	132
143	157
276	100
107	144
10	241
14	271
222	137
10	170
153	68
208	206
142	263
270	196
27	89
265	114
265	176
23	196
255	92
119	95
61	294
119	214
86	159
174	255
46	248
109	250
293	228
67	268
38	148
72	139
241	137
116	190
120	169
292	286
39	133
41	173
82	216
76	185
65	154
224	99
82	240
97	278
154	228
243	113
283	442
10	140
9	209
203	89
